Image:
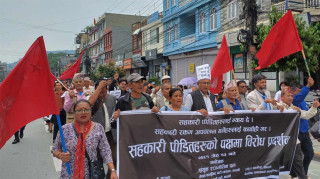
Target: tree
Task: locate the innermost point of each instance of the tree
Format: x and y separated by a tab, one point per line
53	61
107	71
310	38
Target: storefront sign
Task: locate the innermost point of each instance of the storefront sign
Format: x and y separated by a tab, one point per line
119	63
127	63
191	67
151	54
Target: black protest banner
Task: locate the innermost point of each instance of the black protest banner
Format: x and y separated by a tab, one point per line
175	145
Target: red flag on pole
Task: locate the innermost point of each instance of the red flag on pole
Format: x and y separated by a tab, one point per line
282	40
72	70
221	65
27	93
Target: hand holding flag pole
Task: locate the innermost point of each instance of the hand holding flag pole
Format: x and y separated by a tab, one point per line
63	142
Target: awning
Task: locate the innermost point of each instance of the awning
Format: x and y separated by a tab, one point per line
136	32
138	64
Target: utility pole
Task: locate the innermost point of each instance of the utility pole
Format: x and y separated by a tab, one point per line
247	35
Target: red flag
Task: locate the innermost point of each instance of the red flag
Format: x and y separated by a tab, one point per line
221	65
282	40
72	70
27	93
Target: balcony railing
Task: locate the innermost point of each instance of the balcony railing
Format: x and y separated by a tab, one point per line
313	3
281	6
188	39
184	2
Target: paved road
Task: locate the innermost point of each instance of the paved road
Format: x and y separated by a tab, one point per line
31	158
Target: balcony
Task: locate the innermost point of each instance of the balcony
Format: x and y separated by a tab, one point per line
188	39
313	3
184	2
281	6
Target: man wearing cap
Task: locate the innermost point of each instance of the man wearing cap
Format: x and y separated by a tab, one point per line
87	88
136	100
73	96
231	100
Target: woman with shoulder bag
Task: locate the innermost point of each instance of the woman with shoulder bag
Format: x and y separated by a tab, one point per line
86	143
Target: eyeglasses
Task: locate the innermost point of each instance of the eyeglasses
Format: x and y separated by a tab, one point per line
83	111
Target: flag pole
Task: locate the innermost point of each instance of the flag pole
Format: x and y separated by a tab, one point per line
63	84
63	142
305	61
235	82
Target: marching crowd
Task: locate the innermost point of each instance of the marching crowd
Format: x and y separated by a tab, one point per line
88	114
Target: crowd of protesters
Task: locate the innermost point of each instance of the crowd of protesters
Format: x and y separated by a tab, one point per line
103	107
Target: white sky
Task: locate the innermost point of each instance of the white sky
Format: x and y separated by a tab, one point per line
22	21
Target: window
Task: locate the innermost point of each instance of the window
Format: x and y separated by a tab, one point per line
167	4
233	10
213	19
202	22
169	34
174	2
145	40
154	36
176	32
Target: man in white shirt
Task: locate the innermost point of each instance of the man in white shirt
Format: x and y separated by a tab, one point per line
87	88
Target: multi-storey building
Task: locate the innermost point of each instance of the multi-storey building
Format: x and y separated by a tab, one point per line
190	30
153	46
138	63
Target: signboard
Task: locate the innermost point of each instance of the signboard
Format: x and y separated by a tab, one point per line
203	72
238	63
127	63
116	93
188	145
151	54
153	17
119	63
191	67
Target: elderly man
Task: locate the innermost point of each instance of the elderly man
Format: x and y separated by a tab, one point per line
242	87
286	101
102	110
163	100
304	137
73	96
231	100
87	88
157	90
260	98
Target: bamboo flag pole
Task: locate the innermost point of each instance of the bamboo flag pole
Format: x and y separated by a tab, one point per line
63	84
305	61
235	82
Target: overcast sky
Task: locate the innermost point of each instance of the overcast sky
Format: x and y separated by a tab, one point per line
22	21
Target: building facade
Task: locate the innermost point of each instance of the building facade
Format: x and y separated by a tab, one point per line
190	30
153	46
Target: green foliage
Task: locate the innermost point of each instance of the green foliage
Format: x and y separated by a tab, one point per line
310	38
53	61
155	79
107	71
